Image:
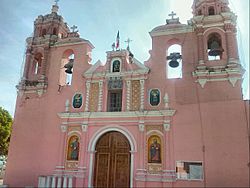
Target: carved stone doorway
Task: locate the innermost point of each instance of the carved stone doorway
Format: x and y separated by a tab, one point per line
112	161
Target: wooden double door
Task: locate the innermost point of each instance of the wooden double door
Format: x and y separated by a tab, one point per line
112	161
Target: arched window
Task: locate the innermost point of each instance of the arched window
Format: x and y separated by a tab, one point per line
214	45
154	149
44	32
66	72
199	12
54	31
73	148
174	62
211	11
116	66
37	64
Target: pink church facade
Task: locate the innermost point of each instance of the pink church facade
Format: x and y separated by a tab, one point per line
124	123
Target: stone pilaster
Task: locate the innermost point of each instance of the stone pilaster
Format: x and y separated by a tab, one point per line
128	94
142	84
100	96
87	96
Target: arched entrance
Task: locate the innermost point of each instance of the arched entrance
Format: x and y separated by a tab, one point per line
112	161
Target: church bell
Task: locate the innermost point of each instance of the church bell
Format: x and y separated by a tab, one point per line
215	49
69	66
173	57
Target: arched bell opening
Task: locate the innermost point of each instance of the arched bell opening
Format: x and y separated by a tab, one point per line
211	11
37	64
214	47
174	62
66	68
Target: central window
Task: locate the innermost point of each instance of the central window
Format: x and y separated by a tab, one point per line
115	100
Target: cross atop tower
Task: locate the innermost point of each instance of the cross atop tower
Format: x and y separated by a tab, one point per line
56	2
73	27
172	15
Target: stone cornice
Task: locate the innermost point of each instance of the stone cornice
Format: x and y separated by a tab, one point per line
231	73
165	30
118	115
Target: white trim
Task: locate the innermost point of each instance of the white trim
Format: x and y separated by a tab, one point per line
87	96
95	138
128	82
157	131
100	98
119	115
142	88
74	132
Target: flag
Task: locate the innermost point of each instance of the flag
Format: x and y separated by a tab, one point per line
117	41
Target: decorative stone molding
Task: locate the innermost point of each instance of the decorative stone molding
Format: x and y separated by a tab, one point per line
166	101
100	95
141	126
67	105
84	127
166	126
120	115
63	128
231	72
87	96
142	83
128	95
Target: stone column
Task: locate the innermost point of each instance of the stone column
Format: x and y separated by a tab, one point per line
62	146
232	48
70	184
83	150
100	96
65	181
199	32
27	64
48	181
87	96
59	182
166	126
141	143
41	181
45	60
142	83
53	184
128	95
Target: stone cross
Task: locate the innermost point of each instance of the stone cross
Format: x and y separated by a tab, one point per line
172	14
56	1
73	27
128	41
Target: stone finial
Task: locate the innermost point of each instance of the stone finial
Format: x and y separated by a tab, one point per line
172	20
166	101
55	7
67	105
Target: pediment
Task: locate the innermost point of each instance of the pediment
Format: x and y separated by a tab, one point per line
127	67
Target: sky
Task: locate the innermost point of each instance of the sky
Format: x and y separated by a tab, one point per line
98	21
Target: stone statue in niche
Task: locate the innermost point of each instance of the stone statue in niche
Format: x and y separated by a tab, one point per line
73	148
154	97
154	150
116	66
77	100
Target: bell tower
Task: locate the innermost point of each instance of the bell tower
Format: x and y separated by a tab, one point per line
215	26
48	29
